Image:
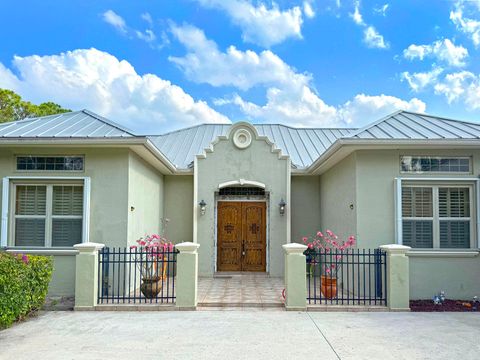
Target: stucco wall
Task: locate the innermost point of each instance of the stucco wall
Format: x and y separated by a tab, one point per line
376	171
179	207
256	163
337	193
305	206
145	195
108	170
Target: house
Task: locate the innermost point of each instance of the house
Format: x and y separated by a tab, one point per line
243	190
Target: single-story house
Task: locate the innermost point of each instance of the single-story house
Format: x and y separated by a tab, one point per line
243	190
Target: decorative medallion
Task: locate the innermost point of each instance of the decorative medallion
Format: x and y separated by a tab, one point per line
242	138
229	228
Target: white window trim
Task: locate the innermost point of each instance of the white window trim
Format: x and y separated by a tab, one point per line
6	201
476	197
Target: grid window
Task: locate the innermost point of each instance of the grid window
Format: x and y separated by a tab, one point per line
437	217
420	164
50	163
48	215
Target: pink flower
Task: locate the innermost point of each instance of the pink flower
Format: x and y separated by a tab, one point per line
305	239
310	246
339	257
142	243
133	247
327	271
319	234
25	258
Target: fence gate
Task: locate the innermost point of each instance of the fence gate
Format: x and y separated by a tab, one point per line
348	277
136	275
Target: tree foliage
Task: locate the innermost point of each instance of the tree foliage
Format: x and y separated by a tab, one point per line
13	107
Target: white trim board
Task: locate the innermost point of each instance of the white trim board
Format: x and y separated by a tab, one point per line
6	200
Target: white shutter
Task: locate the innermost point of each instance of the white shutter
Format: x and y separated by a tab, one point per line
67	211
30	215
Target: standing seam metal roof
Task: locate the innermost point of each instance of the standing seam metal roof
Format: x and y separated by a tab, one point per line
303	145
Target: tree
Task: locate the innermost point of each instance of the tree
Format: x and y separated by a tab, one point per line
13	107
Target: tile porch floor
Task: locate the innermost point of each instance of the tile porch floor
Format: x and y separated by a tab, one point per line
240	289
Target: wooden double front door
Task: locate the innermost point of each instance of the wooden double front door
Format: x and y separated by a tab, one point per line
241	236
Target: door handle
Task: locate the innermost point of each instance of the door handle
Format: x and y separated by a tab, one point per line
243	248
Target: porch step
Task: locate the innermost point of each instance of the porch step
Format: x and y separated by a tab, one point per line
241	304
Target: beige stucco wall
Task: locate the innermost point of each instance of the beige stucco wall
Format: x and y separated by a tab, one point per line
338	192
145	199
179	208
108	170
256	163
305	206
375	175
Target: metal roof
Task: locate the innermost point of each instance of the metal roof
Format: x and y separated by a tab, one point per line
303	146
407	125
77	124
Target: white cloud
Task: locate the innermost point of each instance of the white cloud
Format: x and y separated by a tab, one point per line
443	50
308	10
356	16
381	10
148	18
261	24
98	81
371	37
470	27
205	63
364	108
147	36
419	81
112	18
290	97
463	85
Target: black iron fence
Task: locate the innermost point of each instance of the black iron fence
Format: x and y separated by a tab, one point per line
348	277
136	275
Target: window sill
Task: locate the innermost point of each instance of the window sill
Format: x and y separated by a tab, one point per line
44	251
444	253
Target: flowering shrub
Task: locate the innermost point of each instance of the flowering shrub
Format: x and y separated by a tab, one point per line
151	250
327	243
24	281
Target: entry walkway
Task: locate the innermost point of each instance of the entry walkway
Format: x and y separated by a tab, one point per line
240	289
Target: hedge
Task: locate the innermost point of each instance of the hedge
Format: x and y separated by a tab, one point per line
24	281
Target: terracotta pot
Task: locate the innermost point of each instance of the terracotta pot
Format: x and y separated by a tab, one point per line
151	287
329	287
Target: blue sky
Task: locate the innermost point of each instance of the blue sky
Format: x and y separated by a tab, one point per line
160	65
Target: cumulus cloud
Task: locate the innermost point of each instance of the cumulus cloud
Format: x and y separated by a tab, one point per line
112	18
205	63
381	10
420	80
443	50
96	80
290	97
470	27
461	86
371	37
261	24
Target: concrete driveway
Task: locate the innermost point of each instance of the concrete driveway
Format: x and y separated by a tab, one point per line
246	334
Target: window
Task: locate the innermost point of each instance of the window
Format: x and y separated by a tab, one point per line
437	216
48	215
419	164
50	163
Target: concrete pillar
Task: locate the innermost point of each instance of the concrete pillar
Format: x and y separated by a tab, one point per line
295	277
398	275
86	275
187	275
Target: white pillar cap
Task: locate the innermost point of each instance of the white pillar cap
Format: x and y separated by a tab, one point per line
88	247
294	248
396	248
187	247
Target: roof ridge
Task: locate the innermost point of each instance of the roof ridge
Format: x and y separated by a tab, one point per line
370	125
108	122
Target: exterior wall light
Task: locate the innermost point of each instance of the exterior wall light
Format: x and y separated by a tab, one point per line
281	206
203	207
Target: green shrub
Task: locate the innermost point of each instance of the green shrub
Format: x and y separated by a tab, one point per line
24	281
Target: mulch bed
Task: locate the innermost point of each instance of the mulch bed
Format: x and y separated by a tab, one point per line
448	305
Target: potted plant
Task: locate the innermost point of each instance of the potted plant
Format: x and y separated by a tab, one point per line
152	253
318	247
